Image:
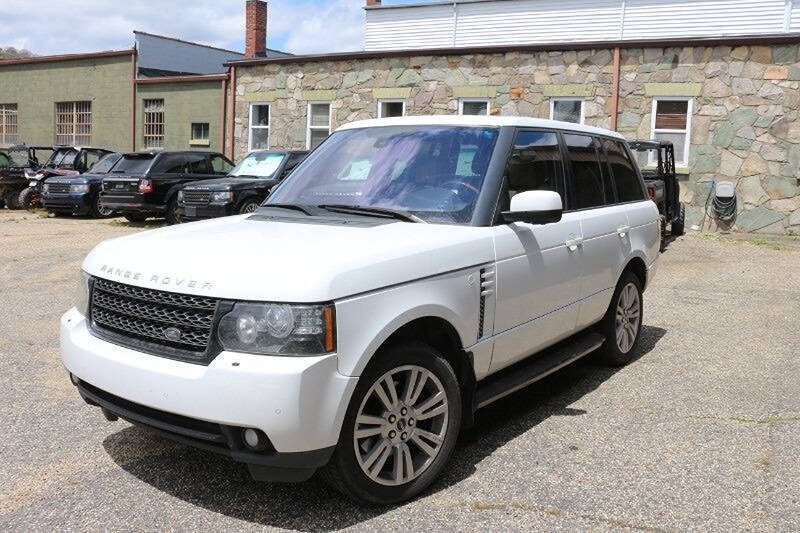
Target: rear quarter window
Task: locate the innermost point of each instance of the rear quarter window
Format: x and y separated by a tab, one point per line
627	182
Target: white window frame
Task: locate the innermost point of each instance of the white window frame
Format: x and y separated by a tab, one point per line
687	134
568	99
390	101
462	101
309	127
250	126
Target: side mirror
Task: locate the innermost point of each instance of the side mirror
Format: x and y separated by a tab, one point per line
535	207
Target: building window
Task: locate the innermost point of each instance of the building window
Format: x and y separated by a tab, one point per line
391	108
154	123
319	123
8	124
259	127
566	110
473	107
672	121
200	133
74	123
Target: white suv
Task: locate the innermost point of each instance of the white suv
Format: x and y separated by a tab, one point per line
409	272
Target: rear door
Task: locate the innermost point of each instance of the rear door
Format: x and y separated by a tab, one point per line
538	266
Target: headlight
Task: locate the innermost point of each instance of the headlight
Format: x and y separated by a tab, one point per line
278	329
180	197
45	188
78	189
221	197
82	303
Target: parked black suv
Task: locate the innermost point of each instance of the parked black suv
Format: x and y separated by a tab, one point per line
64	161
79	194
146	184
14	177
242	190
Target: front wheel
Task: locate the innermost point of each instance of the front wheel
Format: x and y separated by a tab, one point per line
28	198
622	323
400	428
248	206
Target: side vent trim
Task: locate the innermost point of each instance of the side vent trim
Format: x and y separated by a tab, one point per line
487	289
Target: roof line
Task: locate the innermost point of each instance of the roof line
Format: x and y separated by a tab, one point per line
168	38
181	79
734	40
66	57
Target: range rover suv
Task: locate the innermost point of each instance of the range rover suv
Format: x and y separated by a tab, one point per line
146	184
242	190
407	273
80	195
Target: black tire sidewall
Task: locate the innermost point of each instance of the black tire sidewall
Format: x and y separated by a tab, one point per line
24	198
247	202
348	472
611	353
172	212
94	210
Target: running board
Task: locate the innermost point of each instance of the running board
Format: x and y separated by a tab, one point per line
535	368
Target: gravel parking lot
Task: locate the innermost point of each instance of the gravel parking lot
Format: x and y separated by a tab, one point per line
700	432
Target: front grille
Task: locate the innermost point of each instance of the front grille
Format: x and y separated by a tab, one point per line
164	323
196	197
58	188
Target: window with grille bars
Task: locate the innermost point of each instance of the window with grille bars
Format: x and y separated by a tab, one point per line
74	123
8	124
154	123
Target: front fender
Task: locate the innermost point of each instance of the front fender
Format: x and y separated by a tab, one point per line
364	322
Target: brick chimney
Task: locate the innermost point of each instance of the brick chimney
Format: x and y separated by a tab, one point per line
256	30
371	3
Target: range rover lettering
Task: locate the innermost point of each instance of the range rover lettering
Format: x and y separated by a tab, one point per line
407	273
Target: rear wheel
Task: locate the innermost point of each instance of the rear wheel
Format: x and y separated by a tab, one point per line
28	198
678	225
622	323
400	427
173	216
98	210
135	217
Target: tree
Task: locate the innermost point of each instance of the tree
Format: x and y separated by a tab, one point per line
12	53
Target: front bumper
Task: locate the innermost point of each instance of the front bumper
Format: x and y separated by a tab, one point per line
298	402
67	202
190	212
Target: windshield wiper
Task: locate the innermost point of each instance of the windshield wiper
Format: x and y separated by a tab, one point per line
293	207
373	211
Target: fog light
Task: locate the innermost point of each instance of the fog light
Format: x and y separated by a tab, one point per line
254	439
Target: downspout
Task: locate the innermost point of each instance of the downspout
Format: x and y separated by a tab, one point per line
232	90
222	123
615	91
133	100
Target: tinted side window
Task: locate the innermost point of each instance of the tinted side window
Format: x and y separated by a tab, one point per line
197	164
171	164
629	187
535	163
220	164
585	184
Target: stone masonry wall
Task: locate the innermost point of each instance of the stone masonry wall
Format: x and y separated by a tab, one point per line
745	125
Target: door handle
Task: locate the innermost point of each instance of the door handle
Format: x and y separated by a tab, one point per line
623	230
574	244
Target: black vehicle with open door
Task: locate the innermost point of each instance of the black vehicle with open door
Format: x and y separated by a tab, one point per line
17	164
657	163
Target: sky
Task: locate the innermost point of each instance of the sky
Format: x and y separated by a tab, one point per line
72	26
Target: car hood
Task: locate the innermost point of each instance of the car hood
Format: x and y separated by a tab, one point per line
247	258
75	180
229	184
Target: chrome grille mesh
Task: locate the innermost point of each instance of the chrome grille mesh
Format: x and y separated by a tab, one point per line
179	322
196	197
58	188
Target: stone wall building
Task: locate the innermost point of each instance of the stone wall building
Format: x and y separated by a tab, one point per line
730	104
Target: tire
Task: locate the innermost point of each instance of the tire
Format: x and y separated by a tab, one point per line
617	352
345	471
678	225
249	205
662	231
98	211
135	217
173	217
11	198
26	198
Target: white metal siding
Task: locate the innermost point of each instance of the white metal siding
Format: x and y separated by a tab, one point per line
420	27
501	22
655	19
537	21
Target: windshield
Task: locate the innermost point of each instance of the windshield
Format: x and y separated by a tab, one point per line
258	164
104	165
133	164
433	172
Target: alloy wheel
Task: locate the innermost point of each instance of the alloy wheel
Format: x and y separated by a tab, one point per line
401	425
627	318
